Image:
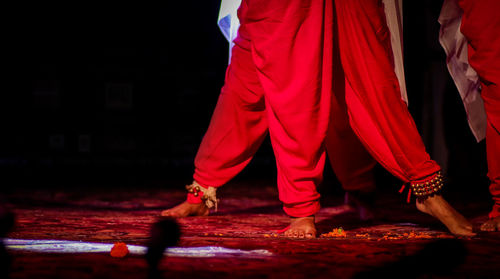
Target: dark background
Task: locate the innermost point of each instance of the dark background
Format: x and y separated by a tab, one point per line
123	93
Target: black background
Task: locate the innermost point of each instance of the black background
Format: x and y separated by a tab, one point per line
64	61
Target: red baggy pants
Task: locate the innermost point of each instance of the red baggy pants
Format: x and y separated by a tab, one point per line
377	113
279	80
352	163
481	26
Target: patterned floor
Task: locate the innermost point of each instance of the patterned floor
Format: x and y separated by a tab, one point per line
76	228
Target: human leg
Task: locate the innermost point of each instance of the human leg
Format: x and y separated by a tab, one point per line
350	161
377	113
481	26
237	129
292	51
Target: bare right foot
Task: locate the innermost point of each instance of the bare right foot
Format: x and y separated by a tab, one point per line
438	207
301	227
186	209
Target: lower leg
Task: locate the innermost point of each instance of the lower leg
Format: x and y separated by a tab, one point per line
378	115
353	166
237	129
297	102
350	161
481	26
491	97
493	156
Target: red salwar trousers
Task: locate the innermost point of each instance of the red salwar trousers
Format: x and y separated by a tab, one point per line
367	101
481	26
377	114
351	162
279	80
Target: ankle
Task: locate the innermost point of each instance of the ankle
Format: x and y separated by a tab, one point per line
428	187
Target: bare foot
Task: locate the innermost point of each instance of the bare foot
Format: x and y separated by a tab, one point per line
186	209
301	227
491	225
436	206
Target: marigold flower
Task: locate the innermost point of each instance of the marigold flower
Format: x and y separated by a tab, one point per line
336	232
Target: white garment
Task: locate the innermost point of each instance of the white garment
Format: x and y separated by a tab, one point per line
464	76
228	21
394	18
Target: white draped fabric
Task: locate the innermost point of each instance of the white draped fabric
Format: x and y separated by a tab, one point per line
464	76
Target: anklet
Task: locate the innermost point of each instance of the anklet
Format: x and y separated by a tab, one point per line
209	194
427	188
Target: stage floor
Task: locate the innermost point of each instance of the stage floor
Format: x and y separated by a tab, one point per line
401	243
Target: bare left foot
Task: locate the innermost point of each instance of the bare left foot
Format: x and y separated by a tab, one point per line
491	225
186	209
301	227
438	207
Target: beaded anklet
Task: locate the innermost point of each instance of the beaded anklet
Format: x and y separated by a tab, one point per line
208	194
428	187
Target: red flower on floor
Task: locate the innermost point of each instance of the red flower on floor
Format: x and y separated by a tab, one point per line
119	250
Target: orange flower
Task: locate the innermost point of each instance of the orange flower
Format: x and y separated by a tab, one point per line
335	233
119	250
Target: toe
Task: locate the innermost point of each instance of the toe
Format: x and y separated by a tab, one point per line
310	235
